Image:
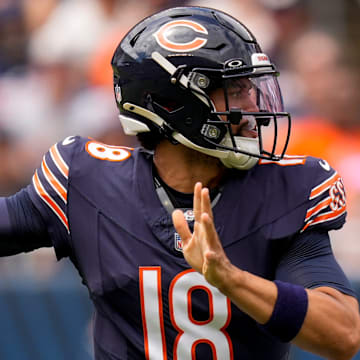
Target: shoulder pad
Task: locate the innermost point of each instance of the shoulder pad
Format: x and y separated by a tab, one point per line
306	193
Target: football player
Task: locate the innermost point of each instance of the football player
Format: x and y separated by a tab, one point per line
207	242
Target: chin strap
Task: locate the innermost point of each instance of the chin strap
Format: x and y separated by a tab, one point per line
241	161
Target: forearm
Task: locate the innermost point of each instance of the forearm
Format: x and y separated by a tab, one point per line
252	294
331	325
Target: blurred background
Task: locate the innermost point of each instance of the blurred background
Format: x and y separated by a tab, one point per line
56	81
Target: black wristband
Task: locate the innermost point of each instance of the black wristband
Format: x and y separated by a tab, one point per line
289	311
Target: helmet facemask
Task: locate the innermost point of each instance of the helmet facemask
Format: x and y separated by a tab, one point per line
167	70
252	110
248	135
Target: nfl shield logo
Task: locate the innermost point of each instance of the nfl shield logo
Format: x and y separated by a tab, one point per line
189	215
177	242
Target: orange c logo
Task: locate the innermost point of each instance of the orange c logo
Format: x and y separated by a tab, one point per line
162	34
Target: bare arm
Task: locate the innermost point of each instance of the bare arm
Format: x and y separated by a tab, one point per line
332	324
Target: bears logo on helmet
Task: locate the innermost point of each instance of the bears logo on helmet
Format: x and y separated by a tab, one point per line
163	35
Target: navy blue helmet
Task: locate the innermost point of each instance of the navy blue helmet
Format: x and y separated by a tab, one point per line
171	66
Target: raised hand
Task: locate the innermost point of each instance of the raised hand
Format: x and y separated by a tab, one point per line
202	249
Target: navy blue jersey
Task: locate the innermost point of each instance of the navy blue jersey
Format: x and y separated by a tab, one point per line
101	209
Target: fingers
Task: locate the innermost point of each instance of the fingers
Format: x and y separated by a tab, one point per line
181	225
202	202
203	219
206	202
197	201
204	216
212	238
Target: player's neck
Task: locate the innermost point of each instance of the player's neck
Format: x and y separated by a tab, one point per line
180	167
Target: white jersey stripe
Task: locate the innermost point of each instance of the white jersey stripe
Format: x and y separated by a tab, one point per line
53	181
59	161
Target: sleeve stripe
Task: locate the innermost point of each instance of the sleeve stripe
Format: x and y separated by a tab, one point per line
317	208
331	215
59	161
325	185
49	201
53	181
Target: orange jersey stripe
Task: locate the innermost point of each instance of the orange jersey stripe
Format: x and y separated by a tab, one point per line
49	201
331	215
57	186
320	206
59	161
318	190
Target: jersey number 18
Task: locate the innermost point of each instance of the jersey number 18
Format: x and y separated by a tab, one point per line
191	332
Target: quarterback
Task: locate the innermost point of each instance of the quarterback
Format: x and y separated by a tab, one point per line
208	241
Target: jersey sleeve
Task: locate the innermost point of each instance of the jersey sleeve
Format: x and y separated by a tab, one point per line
326	205
21	226
309	261
49	192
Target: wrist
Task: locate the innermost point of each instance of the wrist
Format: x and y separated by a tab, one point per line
234	278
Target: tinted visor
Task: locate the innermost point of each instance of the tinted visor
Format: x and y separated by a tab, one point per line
260	94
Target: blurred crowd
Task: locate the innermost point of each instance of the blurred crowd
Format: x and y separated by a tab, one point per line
56	81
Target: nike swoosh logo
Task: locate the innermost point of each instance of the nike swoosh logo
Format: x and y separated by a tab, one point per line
325	165
69	140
